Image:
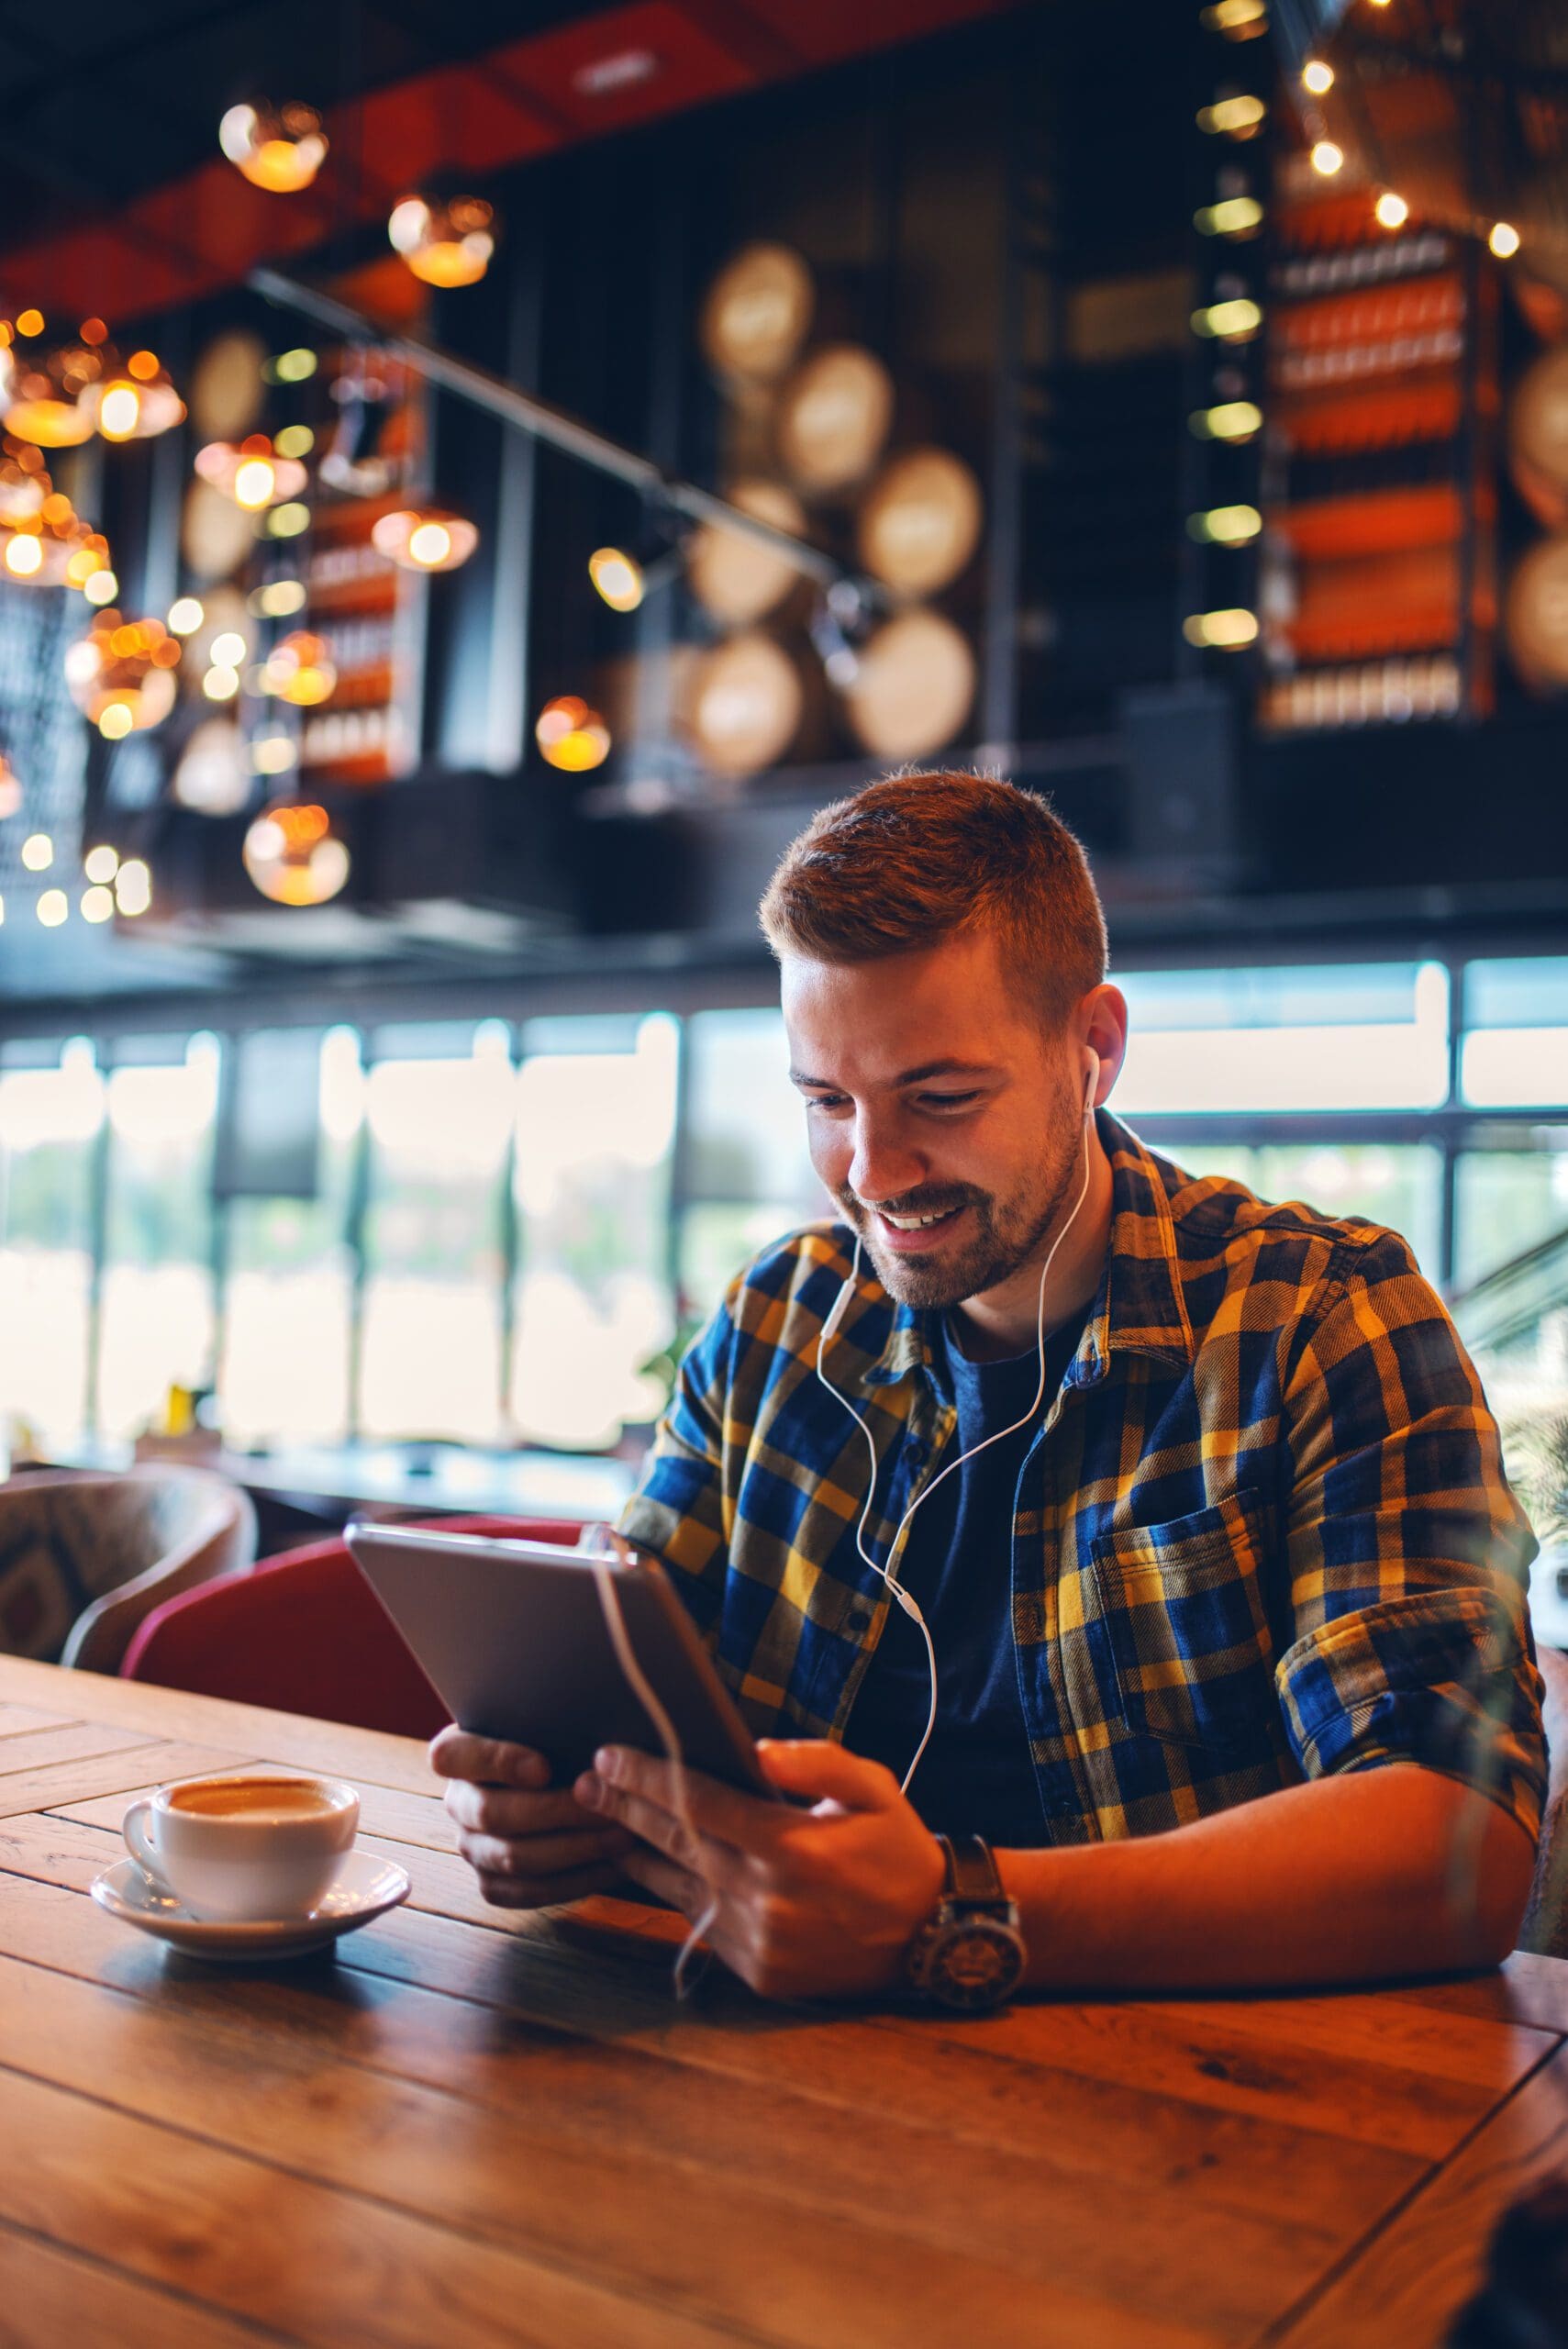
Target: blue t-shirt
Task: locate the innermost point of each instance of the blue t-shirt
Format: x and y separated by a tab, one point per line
976	1777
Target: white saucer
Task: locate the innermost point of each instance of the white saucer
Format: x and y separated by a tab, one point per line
364	1887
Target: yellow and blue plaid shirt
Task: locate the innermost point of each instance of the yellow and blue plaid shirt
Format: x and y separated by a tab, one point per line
1264	1529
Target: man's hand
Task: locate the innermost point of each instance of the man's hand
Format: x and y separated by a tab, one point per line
528	1842
810	1904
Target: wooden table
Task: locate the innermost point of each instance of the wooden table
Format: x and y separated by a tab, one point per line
466	2127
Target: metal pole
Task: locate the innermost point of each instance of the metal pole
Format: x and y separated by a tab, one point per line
536	417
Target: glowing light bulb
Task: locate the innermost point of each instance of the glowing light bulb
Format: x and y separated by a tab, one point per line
37	852
431	543
1504	241
53	908
101	864
1318	75
221	682
228	649
102	587
1328	158
24	554
119	412
1391	210
617	577
1226	631
254	482
185	615
1226	525
133	886
98	904
116	721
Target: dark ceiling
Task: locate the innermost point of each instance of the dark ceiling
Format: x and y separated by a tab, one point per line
113	197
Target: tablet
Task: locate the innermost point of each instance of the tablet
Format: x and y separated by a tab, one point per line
513	1636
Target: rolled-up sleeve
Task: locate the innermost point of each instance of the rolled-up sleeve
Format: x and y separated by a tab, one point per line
1408	1555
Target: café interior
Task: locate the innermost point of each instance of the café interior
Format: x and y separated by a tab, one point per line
474	483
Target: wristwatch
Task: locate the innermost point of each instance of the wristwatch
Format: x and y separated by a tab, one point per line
969	1953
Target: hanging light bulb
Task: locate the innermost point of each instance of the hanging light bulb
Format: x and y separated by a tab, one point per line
299	670
571	736
617	577
444	244
251	471
278	148
120	674
1391	210
135	402
1327	157
1504	241
426	539
47	404
292	855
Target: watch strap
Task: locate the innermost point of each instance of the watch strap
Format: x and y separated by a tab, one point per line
971	1875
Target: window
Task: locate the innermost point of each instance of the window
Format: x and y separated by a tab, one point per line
1395	1184
157	1323
596	1126
1510	1196
749	1175
438	1107
51	1118
1516	1049
289	1294
1352	1036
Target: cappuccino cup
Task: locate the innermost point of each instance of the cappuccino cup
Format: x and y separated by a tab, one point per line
253	1848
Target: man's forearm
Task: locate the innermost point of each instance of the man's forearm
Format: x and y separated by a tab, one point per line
1384	1871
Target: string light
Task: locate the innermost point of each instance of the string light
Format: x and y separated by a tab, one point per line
571	736
185	615
1234	216
53	908
444	244
1504	241
1318	75
37	852
101	864
1391	210
1226	525
133	887
617	577
1328	158
1238	118
1226	631
278	148
98	904
425	540
1236	321
1230	420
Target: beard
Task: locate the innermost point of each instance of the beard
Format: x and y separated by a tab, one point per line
1004	1234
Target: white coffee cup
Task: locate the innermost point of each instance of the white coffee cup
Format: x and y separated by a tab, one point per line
252	1847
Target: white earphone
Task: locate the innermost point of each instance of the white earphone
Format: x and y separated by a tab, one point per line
835	1316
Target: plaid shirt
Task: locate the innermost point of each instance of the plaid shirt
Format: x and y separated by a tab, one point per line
1264	1532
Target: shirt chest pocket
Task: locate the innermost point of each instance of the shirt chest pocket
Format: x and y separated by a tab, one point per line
1184	1616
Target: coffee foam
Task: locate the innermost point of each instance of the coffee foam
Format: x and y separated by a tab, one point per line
254	1797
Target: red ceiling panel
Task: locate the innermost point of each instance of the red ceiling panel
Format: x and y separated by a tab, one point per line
825	31
627	66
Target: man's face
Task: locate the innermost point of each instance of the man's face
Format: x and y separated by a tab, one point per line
943	1119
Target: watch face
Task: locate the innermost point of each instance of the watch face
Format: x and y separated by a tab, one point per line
974	1964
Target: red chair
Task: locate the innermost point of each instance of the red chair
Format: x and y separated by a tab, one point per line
303	1632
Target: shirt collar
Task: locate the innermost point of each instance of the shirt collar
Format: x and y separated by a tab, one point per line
1138	1309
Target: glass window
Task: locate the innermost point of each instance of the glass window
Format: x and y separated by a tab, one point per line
1508	1198
748	1172
1515	1052
156	1320
289	1300
595	1127
1396	1183
1352	1036
439	1110
50	1120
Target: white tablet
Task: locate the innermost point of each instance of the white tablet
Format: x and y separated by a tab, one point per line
514	1637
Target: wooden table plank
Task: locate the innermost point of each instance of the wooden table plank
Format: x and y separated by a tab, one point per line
1416	2275
20	1721
1525	1988
325	2266
734	2092
141	1764
49	2296
795	2254
70	1742
172	1714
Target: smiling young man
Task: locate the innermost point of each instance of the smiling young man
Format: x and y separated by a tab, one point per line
1224	1592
